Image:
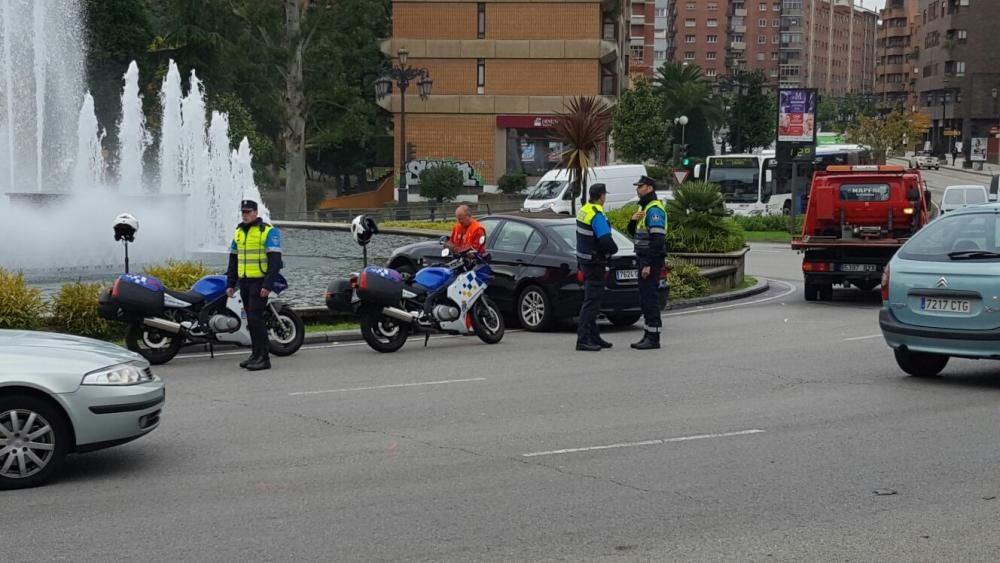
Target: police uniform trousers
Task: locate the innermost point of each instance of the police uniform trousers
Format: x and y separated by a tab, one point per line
648	299
593	294
255	305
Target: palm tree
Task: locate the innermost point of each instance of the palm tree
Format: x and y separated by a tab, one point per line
684	91
581	129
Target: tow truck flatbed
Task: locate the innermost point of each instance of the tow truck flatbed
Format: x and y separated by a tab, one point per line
809	243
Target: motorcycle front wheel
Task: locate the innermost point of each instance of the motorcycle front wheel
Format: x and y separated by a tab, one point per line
487	321
285	332
384	334
156	346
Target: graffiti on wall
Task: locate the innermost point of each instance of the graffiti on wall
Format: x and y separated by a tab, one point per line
469	174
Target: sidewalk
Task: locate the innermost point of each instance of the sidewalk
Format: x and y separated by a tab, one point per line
989	170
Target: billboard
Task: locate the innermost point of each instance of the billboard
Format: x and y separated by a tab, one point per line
977	152
797	115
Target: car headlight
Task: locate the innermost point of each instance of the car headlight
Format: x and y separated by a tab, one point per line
121	374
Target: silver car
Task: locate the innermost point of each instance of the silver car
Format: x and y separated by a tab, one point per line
63	394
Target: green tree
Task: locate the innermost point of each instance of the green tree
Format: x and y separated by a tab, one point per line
513	183
441	183
752	116
639	130
883	134
581	129
684	91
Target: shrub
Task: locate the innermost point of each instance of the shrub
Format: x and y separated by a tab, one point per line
21	306
686	282
74	310
698	222
512	183
660	173
767	223
620	217
178	274
441	183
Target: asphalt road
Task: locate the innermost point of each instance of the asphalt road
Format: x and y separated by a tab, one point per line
938	180
759	433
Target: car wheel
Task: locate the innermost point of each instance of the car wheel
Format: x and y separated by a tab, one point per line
34	441
534	309
811	292
920	364
622	320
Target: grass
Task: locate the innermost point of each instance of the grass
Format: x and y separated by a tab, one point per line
444	226
327	327
748	282
767	236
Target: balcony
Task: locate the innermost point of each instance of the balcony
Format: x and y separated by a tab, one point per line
739	29
738	46
639	19
740	12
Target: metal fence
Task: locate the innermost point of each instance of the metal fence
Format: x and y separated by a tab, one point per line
414	212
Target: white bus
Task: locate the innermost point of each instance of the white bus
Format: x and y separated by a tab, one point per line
749	182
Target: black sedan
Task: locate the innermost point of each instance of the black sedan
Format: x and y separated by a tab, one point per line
535	271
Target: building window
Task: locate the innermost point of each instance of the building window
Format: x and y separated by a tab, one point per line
661	12
690	22
690	5
713	23
776	8
956	68
712	38
776	22
689	56
660	55
762	40
711	73
481	30
711	56
637	54
713	6
689	39
763	7
774	56
762	22
481	76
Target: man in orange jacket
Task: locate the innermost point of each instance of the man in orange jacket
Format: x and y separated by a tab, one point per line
467	234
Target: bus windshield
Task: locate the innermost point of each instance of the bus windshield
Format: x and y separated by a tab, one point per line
738	178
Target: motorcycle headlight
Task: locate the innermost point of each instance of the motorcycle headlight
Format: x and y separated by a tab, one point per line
121	374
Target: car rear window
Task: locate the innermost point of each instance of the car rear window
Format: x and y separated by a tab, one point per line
954	233
975	196
864	192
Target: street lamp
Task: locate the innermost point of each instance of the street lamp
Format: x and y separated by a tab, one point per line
682	121
996	115
402	75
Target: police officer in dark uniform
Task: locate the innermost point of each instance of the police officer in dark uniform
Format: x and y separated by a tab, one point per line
594	246
648	228
254	262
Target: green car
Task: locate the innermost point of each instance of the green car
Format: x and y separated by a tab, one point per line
62	394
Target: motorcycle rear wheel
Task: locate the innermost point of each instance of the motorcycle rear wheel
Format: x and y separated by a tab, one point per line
383	334
156	346
487	321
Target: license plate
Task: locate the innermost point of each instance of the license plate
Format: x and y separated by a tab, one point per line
945	305
625	275
859	267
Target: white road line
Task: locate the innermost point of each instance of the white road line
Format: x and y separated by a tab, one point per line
791	290
417	384
647	443
869	337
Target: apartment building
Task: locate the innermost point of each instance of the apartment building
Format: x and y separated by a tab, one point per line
897	55
648	42
501	71
828	45
723	35
959	81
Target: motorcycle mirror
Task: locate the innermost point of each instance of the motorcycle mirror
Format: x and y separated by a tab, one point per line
444	239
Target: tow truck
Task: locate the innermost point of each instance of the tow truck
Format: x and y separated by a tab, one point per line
856	218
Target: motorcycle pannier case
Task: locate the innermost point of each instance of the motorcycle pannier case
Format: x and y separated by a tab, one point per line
338	296
138	294
380	286
107	306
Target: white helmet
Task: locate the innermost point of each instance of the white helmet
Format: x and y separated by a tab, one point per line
362	229
126	226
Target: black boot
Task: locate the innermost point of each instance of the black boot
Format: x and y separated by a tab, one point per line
643	342
248	361
259	364
603	343
650	342
587	347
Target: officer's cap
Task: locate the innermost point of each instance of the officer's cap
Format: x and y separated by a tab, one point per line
248	205
646	180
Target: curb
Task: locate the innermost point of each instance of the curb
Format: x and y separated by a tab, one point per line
428	233
334	337
761	286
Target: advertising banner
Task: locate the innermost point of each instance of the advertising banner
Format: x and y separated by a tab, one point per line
977	152
797	115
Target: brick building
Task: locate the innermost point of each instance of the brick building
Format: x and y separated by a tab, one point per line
501	71
648	42
959	83
898	50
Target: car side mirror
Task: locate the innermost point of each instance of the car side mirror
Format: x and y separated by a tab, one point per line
913	194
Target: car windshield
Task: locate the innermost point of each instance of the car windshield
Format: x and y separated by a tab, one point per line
965	236
568	234
549	189
738	185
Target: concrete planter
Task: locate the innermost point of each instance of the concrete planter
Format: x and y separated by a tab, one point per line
724	271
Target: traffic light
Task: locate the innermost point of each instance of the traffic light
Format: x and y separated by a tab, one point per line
685	159
411	152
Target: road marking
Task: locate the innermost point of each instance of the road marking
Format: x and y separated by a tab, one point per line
869	337
416	384
647	443
791	290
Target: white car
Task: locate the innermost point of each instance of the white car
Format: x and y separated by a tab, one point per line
927	161
957	197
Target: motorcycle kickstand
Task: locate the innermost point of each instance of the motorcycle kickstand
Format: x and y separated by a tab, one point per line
211	350
427	336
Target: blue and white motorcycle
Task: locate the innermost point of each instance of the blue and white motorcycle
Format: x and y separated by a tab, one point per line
391	308
161	320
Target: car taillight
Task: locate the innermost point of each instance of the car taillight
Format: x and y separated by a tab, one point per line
817	267
885	283
579	276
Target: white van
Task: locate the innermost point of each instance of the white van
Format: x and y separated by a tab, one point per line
957	197
552	192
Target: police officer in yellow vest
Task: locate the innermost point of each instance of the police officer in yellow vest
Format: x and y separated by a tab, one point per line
594	246
254	262
648	228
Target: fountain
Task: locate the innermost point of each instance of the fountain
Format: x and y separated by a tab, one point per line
60	190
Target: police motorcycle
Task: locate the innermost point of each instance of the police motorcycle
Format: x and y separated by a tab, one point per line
161	320
392	308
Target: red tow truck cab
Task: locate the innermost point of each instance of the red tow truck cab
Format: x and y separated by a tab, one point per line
856	219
